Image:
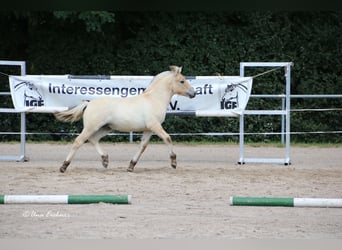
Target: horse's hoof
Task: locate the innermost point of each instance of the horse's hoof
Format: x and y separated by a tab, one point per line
131	166
174	164
173	158
64	166
105	161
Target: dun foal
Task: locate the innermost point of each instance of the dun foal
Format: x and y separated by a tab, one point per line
145	112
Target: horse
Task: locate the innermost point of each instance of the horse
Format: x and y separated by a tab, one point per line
145	112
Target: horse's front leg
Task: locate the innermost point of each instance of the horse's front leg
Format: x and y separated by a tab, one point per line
144	141
167	140
94	139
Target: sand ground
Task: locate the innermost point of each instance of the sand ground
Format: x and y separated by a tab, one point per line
190	202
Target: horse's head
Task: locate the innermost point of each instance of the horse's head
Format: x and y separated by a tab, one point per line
180	85
31	92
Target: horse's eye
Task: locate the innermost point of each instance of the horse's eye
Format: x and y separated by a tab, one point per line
182	82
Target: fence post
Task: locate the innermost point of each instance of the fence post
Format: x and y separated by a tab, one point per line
285	113
22	156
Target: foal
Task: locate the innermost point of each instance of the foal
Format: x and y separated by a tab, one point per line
145	112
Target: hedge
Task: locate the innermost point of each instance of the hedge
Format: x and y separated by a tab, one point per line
204	43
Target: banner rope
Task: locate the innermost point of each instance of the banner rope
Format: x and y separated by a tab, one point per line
239	83
266	72
2	73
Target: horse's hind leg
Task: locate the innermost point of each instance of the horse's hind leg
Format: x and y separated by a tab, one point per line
95	138
167	140
144	141
79	141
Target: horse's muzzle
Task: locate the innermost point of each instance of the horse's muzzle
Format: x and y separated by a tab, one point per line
191	93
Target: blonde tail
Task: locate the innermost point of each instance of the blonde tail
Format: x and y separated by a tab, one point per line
73	114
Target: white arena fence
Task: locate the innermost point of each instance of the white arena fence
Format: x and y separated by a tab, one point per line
179	108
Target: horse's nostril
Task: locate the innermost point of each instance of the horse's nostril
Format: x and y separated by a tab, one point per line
191	93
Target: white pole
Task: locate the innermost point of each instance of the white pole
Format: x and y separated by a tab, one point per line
316	202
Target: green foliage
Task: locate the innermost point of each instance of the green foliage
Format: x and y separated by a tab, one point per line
204	43
93	20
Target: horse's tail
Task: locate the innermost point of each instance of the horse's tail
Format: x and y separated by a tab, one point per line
73	114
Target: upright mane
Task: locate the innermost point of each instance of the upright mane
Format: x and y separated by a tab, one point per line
156	79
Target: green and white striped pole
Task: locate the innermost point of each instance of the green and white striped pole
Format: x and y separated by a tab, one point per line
285	202
64	199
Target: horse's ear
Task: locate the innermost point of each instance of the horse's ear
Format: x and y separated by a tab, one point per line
175	69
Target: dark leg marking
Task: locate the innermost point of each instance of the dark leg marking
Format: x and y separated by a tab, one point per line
131	166
173	160
64	166
104	160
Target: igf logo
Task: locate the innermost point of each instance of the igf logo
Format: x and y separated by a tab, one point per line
232	92
32	97
228	104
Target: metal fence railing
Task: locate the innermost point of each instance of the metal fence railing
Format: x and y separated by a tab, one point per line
284	112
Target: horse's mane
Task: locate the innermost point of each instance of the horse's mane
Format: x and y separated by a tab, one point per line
156	79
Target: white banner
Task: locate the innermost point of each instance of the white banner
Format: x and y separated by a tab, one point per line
215	96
